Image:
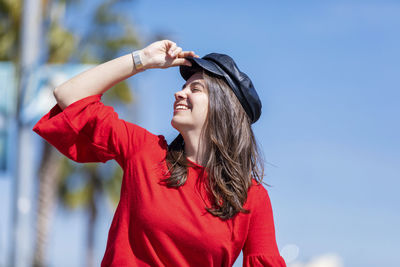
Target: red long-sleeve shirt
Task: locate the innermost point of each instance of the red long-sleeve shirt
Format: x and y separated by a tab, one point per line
155	225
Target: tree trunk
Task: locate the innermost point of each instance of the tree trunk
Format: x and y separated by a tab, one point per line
92	219
49	178
91	234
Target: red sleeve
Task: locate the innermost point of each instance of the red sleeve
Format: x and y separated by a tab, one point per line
87	131
260	248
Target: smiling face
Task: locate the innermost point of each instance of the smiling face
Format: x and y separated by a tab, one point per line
191	105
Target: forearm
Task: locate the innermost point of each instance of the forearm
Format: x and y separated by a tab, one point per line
96	80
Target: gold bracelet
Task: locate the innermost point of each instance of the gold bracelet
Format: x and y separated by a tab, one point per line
137	61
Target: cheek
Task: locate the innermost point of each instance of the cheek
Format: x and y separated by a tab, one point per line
200	106
204	109
204	105
203	115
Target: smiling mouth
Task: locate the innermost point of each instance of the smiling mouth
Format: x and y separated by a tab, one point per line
181	107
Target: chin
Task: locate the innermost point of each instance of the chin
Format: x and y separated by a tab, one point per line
175	123
179	125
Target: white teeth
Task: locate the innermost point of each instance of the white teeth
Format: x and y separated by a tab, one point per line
181	107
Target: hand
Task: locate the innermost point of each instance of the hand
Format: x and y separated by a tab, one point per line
164	54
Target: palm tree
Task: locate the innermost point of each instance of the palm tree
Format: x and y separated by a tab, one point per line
55	171
95	185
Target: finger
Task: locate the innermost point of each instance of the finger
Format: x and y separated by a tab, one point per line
193	54
176	51
187	54
181	61
172	49
169	44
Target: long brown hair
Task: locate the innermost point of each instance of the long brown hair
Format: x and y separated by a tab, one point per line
231	155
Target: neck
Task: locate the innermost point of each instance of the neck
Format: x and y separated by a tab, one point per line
194	148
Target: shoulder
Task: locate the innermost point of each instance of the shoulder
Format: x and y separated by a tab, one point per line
142	140
257	189
145	135
257	195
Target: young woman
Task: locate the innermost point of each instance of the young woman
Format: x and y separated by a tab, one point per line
196	202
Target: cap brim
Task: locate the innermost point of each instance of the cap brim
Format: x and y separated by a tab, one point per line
197	63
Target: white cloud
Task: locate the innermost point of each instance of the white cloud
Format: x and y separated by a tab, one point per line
290	252
324	260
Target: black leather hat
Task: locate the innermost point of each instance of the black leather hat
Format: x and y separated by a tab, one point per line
224	66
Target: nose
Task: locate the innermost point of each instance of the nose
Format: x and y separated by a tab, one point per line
180	95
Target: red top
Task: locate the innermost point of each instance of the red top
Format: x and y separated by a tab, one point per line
155	225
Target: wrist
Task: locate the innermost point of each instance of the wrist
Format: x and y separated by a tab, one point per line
137	60
146	59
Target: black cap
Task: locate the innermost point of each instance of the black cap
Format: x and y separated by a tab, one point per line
224	66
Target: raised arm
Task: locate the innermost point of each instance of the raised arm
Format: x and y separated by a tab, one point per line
97	80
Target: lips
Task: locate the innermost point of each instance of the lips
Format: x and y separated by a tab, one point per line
181	106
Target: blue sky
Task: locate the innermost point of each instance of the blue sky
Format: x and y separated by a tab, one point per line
328	76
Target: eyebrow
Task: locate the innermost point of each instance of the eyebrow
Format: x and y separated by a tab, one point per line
192	84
